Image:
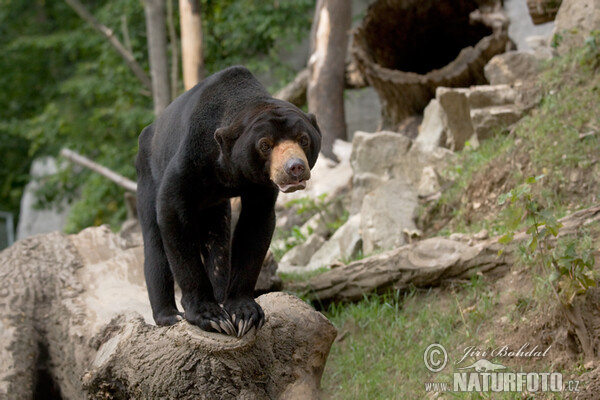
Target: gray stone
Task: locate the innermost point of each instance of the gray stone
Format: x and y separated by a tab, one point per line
575	21
350	239
300	255
456	117
33	221
382	156
385	214
490	121
429	183
491	95
512	67
431	131
328	254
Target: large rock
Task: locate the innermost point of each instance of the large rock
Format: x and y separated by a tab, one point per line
382	156
386	213
33	221
343	245
493	120
300	255
512	67
431	130
479	112
576	19
456	117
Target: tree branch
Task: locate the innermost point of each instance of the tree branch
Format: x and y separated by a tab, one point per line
86	162
110	36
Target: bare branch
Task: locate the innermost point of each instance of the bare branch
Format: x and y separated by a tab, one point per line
112	39
86	162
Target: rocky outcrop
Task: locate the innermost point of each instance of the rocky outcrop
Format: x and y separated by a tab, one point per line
512	67
576	20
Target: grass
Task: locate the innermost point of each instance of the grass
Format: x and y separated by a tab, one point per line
380	355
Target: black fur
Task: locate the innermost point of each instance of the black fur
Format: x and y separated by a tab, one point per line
197	155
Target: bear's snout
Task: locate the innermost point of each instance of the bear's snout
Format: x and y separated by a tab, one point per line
295	167
289	167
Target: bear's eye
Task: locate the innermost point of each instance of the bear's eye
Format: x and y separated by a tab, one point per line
264	145
304	141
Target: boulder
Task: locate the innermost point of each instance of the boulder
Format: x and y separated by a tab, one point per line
431	130
33	221
512	67
490	121
350	238
300	255
343	245
429	183
575	20
479	112
386	213
456	116
382	156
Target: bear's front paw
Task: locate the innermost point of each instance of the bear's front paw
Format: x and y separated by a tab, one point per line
245	314
210	317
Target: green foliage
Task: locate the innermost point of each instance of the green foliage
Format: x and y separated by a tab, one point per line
64	85
570	265
328	209
253	33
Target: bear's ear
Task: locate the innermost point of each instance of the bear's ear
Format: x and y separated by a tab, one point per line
225	137
313	121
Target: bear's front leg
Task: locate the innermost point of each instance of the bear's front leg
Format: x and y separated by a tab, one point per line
250	244
179	226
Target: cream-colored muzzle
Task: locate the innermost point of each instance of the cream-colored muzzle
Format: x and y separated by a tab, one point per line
281	174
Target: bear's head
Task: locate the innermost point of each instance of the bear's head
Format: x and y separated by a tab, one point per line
275	144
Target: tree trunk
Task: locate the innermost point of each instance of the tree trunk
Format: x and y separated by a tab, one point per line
329	42
423	264
542	11
76	324
157	49
191	42
174	45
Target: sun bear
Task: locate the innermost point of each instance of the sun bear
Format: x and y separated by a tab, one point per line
225	137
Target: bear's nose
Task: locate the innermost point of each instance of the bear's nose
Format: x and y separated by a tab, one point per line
295	167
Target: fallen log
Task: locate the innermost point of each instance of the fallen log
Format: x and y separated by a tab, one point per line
424	264
75	323
107	173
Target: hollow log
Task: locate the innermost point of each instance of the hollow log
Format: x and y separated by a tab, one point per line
407	48
424	264
542	11
76	323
